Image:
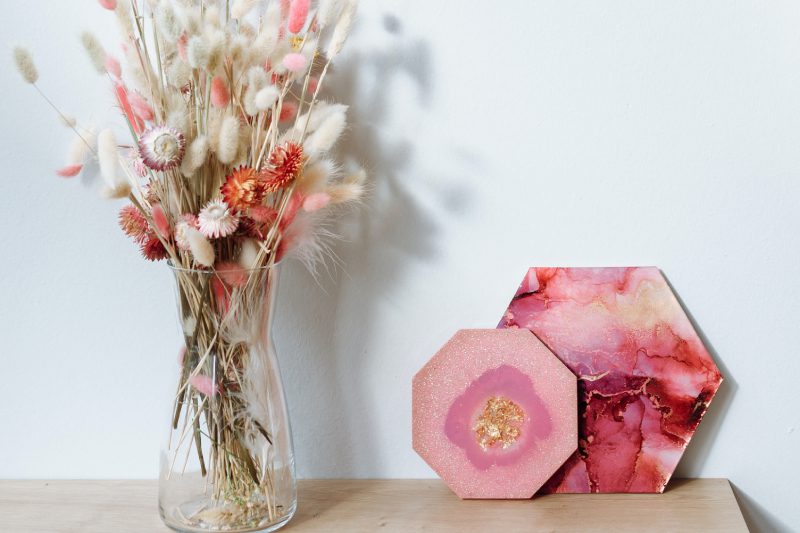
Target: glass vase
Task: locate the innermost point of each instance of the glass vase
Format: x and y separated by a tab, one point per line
228	463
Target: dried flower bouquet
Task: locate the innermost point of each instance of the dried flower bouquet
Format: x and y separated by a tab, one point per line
226	173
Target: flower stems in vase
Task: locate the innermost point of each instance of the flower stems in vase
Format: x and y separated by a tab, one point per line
228	171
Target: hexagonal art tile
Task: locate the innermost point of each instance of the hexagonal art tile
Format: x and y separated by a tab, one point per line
645	379
494	413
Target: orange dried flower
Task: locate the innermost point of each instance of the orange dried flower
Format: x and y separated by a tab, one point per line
285	163
243	188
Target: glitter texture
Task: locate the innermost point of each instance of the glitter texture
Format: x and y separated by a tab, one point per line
466	411
452	392
498	423
644	377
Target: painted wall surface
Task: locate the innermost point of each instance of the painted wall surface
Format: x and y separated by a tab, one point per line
498	138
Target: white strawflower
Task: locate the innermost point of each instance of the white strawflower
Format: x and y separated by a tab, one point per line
162	147
216	220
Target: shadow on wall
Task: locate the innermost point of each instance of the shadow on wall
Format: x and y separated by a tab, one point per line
758	519
325	364
700	446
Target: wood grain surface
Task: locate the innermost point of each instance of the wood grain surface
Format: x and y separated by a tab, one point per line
381	506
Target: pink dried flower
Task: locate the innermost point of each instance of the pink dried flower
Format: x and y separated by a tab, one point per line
316	201
160	220
299	236
140	106
285	163
295	62
162	147
220	96
69	171
253	229
290	212
222	298
153	250
231	273
113	67
191	219
137	163
133	223
182	355
216	220
288	111
150	194
124	103
111	5
183	41
298	11
263	214
204	384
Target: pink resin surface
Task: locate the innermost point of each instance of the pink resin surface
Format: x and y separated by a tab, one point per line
450	395
645	379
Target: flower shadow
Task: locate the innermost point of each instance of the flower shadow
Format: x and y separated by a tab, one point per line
326	365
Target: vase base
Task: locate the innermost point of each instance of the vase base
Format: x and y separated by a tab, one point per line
179	521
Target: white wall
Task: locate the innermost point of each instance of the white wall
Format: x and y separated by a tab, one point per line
540	133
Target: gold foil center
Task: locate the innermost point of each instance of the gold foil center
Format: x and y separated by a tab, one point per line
499	423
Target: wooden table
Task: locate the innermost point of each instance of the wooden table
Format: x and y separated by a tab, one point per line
381	505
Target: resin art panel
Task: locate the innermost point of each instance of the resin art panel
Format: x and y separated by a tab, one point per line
645	379
495	413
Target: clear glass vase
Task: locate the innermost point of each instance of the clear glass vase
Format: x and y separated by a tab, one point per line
228	463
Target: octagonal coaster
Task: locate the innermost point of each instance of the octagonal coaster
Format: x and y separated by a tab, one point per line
494	413
645	379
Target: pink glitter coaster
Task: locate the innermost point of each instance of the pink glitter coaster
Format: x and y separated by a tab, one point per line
644	377
494	413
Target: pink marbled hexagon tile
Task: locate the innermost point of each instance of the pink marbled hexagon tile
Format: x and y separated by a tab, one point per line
645	379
